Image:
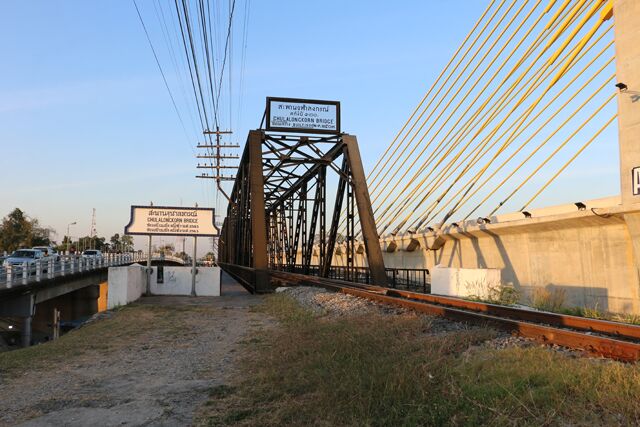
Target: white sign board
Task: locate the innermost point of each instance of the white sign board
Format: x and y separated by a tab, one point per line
171	221
303	115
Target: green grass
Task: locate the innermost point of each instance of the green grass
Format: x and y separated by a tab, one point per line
595	313
388	371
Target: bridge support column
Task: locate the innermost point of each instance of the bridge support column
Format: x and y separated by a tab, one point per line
26	331
627	41
23	307
626	15
258	217
367	222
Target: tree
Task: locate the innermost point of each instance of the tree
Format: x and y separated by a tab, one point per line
182	255
167	248
127	242
88	242
115	240
19	231
99	242
62	247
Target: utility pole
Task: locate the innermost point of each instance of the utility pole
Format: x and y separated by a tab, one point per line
218	156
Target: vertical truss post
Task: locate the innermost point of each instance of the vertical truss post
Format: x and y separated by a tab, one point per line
258	220
223	255
271	240
242	252
317	201
283	242
290	236
335	221
304	222
323	216
301	223
367	222
350	237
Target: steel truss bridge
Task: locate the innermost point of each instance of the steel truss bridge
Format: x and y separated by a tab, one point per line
280	212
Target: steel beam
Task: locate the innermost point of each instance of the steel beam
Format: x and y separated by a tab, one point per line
365	212
258	218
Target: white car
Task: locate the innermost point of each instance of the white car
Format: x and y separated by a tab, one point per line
48	252
92	254
22	256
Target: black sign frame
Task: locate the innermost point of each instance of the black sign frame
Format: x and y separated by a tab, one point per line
301	101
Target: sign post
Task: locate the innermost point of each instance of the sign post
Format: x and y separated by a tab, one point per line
149	254
172	221
193	267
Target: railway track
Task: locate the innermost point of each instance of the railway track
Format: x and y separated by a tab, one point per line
613	340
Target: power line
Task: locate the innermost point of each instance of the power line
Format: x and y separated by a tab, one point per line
164	79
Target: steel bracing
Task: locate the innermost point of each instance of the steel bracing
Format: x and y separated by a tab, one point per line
283	213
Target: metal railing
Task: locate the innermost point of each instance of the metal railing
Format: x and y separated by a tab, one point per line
246	276
39	270
414	279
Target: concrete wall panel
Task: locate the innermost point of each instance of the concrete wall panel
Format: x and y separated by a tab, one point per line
126	284
177	281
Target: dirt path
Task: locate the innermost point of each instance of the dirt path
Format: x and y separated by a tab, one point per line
153	363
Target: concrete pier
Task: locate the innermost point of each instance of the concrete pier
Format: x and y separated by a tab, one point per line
627	42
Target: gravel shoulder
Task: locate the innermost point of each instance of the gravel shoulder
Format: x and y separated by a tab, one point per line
151	363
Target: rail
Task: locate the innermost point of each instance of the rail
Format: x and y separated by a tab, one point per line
613	340
39	270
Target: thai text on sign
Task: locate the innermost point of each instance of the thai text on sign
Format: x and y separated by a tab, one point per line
171	221
303	115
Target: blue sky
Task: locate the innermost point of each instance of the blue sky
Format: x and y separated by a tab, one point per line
85	120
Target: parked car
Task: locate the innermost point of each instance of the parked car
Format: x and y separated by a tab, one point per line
21	256
48	252
92	254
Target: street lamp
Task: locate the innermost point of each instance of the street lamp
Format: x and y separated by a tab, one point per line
68	238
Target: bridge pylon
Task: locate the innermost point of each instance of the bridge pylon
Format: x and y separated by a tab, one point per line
627	42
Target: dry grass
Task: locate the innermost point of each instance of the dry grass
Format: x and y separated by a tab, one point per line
386	370
493	293
548	300
101	337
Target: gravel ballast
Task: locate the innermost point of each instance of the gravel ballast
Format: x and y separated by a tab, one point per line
338	305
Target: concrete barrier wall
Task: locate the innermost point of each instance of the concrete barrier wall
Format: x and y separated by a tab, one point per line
125	285
586	254
464	282
177	281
